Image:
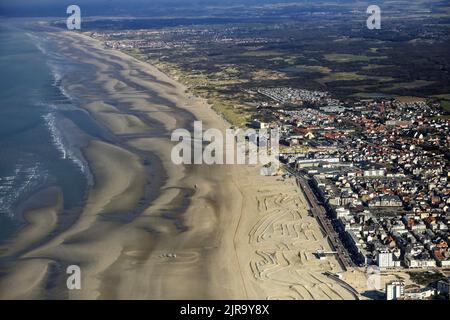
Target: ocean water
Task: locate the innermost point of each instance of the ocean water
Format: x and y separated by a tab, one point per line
41	128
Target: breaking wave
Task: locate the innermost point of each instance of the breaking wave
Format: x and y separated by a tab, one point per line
25	178
59	142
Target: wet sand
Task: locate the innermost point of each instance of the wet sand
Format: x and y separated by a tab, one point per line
235	234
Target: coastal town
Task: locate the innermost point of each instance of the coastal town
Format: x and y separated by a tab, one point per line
231	157
375	170
379	168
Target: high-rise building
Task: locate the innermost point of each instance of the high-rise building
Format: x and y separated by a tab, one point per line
385	259
395	290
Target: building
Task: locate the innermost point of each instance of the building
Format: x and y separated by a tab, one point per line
332	109
390	201
342	212
385	260
386	201
372	172
412	262
395	290
423	294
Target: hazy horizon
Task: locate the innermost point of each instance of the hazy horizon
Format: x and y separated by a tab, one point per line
54	8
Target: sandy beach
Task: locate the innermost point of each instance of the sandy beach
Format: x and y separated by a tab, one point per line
236	234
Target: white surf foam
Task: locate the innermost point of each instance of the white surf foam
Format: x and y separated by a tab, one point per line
24	179
58	141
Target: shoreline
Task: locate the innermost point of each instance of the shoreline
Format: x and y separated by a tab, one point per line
236	234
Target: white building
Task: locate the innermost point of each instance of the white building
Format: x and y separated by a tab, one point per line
410	262
395	290
386	260
420	295
374	172
342	212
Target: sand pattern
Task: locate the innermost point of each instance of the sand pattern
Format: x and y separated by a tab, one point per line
154	230
283	241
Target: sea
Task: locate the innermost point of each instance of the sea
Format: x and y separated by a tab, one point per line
42	128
